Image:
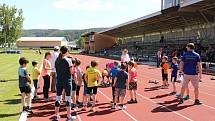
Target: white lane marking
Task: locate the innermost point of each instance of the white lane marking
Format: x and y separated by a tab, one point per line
190	89
79	118
122	110
189	99
23	116
165	107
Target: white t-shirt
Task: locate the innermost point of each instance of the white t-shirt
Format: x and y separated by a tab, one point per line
125	58
54	57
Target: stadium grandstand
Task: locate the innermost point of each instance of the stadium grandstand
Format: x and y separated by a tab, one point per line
178	23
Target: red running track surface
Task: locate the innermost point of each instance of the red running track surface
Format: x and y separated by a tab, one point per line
154	104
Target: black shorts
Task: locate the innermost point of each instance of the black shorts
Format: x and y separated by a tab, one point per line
104	77
78	90
91	90
67	87
173	79
35	83
74	86
133	86
26	89
165	77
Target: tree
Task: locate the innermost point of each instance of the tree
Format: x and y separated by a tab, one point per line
11	22
80	42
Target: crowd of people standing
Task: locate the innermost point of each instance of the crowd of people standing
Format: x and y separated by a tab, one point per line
65	76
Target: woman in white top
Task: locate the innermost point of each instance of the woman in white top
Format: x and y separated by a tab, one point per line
125	57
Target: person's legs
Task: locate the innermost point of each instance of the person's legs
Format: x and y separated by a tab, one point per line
59	90
36	87
89	90
135	95
184	87
23	100
94	98
131	95
74	87
173	80
68	99
113	93
46	86
195	83
77	93
53	83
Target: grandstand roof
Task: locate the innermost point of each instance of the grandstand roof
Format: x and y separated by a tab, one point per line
193	12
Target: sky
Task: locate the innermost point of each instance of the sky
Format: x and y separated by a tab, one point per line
81	14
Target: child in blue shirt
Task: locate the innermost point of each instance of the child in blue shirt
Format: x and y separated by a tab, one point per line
174	70
112	74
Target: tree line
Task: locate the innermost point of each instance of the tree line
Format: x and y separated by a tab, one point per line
11	24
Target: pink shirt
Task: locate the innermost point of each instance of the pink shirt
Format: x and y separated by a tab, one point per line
46	64
132	75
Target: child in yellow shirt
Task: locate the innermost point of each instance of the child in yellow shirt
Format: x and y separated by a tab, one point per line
92	76
35	77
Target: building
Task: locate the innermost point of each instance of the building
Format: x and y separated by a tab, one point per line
41	42
176	24
95	42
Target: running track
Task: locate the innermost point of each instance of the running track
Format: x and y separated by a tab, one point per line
155	104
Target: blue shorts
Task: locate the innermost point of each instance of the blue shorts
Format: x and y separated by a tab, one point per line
85	91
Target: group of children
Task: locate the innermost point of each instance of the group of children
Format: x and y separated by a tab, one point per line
175	77
123	77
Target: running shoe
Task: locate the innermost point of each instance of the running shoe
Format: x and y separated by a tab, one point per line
173	93
56	118
197	102
113	106
178	95
29	110
131	101
181	101
187	97
122	107
135	101
71	118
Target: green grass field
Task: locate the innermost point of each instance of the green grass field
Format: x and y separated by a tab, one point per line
10	103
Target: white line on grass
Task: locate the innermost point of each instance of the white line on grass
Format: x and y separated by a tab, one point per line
122	110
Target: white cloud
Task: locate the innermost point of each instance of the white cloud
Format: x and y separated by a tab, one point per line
87	5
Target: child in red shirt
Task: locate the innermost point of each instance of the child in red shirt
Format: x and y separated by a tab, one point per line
132	82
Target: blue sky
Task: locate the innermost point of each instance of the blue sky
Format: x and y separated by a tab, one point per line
81	14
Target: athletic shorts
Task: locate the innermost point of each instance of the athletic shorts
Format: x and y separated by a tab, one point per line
35	83
104	76
165	77
26	89
78	90
173	79
120	92
67	87
190	78
74	86
133	86
91	90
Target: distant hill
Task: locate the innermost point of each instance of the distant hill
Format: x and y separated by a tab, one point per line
71	35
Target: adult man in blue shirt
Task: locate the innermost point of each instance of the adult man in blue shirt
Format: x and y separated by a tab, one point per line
192	68
113	72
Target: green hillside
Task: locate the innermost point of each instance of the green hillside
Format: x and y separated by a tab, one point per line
70	34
